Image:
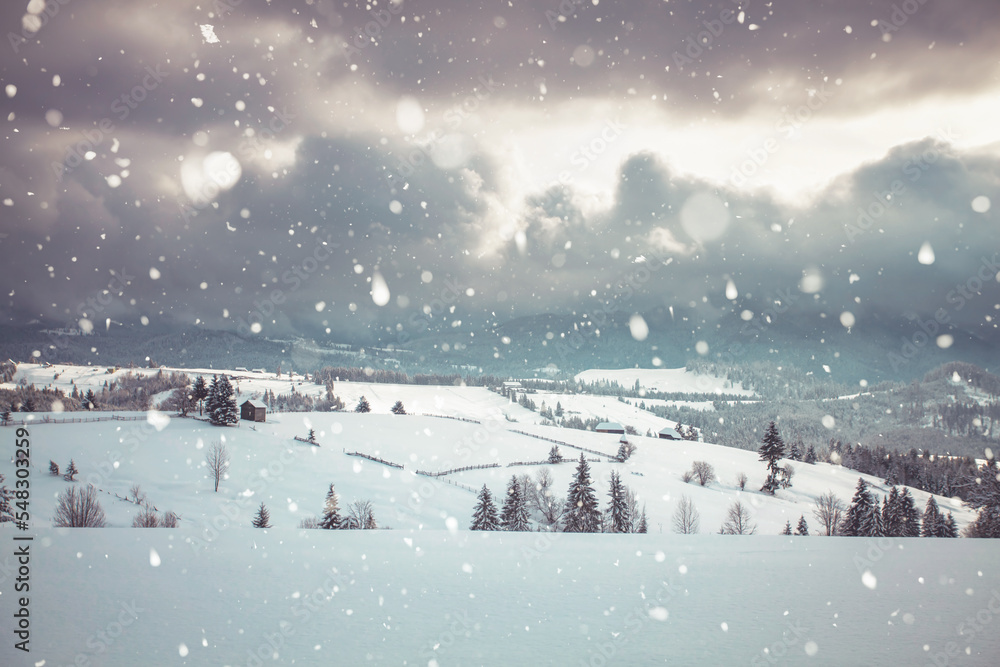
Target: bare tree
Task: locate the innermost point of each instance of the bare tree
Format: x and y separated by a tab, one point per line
138	496
79	509
741	481
789	472
545	500
738	521
360	515
217	459
686	517
687	476
169	520
309	522
829	512
703	472
146	518
634	513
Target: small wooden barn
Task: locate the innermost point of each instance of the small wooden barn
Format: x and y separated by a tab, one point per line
610	427
253	411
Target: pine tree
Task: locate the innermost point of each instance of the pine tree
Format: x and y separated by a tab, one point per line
559	409
771	451
810	456
211	400
199	392
398	409
222	403
621	521
263	518
554	455
363	405
875	528
795	451
788	528
90	400
643	524
624	451
859	519
932	524
331	511
53	468
909	515
892	519
949	529
71	471
514	515
484	516
803	527
582	515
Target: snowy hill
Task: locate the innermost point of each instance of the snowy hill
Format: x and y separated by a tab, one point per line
405	589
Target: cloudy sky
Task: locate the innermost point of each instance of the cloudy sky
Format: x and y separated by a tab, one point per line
314	164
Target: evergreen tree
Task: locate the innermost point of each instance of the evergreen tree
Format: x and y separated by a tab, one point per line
621	520
803	527
643	524
949	529
90	400
71	471
909	515
398	409
559	409
263	518
554	455
484	516
876	528
514	515
892	518
624	451
932	524
582	515
788	528
53	468
810	456
199	392
211	401
331	511
771	451
363	405
222	403
859	521
795	451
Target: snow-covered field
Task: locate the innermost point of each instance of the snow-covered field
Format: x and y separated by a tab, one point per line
664	379
215	588
146	597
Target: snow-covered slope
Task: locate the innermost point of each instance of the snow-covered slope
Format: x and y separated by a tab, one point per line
665	380
214	589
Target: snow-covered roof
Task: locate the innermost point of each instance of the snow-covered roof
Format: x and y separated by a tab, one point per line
671	432
254	403
610	426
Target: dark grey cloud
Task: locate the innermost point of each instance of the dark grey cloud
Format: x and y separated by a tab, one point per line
446	237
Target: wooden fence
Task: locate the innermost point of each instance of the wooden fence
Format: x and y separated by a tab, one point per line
375	459
453	470
564	444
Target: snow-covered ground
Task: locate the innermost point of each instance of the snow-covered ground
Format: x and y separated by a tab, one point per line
665	380
282	596
215	588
